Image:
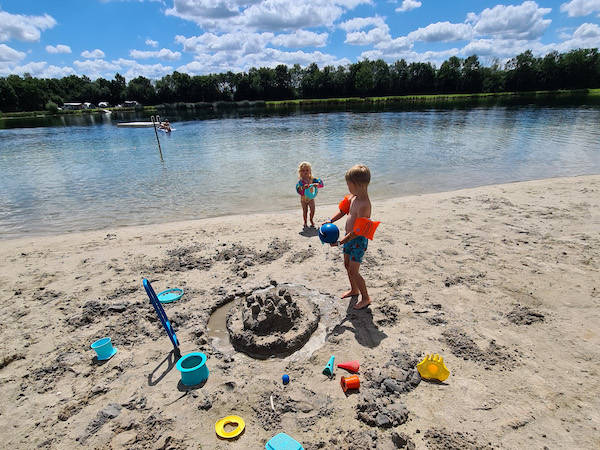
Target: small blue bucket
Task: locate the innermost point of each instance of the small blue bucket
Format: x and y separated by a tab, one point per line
193	368
104	349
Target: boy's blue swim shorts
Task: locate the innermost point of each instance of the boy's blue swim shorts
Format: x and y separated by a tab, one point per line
356	248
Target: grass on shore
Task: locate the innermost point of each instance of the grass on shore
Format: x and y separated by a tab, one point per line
432	98
423	98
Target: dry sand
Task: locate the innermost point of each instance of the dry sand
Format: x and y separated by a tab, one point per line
502	281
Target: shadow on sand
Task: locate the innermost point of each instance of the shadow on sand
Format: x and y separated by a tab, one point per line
309	232
171	361
361	320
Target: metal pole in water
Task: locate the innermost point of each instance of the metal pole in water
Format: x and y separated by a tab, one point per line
154	120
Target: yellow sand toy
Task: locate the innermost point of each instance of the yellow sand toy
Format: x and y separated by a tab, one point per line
230	420
433	368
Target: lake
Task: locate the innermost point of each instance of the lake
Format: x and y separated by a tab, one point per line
87	173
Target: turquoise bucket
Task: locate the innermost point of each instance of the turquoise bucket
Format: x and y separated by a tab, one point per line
104	349
193	368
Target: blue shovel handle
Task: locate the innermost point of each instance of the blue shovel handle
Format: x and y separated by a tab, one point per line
160	312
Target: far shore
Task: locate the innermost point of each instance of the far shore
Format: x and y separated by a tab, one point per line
577	96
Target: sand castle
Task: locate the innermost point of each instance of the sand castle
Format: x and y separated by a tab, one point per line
274	321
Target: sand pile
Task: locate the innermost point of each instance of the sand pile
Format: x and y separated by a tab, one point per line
275	321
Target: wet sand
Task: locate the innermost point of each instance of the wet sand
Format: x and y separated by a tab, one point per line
502	281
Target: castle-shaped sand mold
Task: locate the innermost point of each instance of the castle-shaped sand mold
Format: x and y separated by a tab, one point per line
275	321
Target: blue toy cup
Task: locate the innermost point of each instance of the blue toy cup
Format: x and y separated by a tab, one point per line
193	368
311	192
104	349
329	233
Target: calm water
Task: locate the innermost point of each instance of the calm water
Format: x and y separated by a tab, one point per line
92	176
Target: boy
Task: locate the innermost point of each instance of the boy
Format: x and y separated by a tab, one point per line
357	179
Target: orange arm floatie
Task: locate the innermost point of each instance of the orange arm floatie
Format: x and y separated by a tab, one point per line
365	227
345	204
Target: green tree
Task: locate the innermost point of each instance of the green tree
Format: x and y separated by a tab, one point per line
52	107
449	75
472	77
118	89
522	72
364	83
141	90
382	80
399	77
421	78
9	101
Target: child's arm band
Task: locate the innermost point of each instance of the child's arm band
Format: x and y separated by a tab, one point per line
366	227
345	205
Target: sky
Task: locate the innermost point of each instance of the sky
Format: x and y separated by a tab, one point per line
153	38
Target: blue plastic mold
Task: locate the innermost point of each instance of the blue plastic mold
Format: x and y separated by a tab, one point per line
282	441
170	295
193	368
104	349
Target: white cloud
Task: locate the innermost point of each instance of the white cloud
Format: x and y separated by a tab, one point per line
288	15
38	69
264	15
408	5
358	23
380	32
578	8
96	68
497	47
395	45
246	42
223	61
374	36
524	21
60	48
23	28
151	43
135	69
586	35
299	39
94	54
442	32
587	31
434	57
163	53
10	55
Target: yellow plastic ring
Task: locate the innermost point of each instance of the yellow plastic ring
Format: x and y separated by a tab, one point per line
220	426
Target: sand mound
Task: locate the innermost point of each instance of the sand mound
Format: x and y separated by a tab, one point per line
275	321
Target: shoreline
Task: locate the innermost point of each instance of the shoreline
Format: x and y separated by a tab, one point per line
500	280
40	235
592	94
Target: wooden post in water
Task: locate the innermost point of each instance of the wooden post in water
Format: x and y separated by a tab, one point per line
154	120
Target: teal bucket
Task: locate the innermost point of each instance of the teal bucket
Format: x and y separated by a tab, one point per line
193	368
104	349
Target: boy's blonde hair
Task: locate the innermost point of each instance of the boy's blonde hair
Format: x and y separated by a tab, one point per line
303	165
359	174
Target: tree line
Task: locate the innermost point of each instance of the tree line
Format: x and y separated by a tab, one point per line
576	69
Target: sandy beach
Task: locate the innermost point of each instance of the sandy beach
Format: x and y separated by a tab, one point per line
502	281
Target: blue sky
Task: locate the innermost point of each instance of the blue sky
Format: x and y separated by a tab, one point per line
155	37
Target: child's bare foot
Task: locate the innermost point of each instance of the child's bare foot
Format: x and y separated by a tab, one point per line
363	303
305	226
312	224
350	293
